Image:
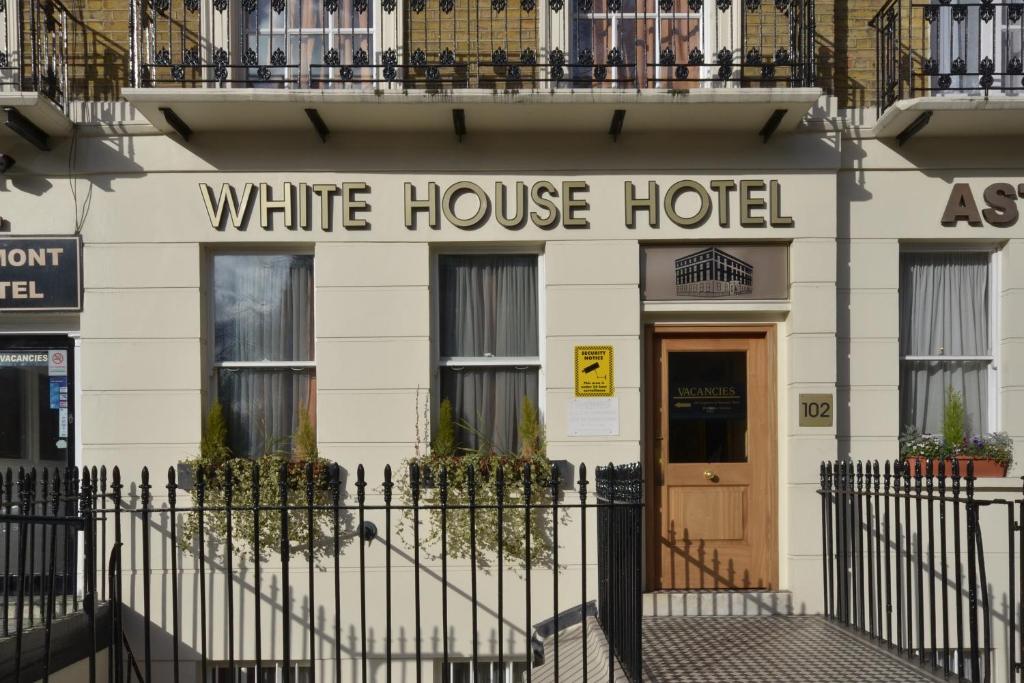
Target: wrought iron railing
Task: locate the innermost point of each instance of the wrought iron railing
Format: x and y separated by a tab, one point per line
40	524
934	48
231	569
501	45
34	47
620	541
904	562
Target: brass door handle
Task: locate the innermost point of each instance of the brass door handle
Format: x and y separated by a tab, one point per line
710	476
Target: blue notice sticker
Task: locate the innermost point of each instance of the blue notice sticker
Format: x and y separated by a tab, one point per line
56	384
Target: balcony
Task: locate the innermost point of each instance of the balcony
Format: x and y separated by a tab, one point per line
739	64
949	69
33	70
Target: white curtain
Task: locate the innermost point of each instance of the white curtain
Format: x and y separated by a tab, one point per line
944	311
263	311
488	308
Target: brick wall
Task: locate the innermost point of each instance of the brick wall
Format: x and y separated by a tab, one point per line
473	30
855	52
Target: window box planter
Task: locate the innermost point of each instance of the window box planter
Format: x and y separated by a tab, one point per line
983	467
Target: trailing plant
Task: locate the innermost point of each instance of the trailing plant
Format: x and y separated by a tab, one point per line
459	477
257	482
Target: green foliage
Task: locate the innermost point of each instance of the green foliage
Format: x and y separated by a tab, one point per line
531	431
213	448
257	482
486	490
954	418
444	437
304	441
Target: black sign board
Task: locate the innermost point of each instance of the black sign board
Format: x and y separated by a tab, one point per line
40	274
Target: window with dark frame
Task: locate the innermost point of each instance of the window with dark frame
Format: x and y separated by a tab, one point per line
36	400
263	348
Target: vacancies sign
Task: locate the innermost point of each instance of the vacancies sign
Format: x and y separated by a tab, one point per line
40	274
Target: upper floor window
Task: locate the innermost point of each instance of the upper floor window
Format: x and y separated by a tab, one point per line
310	43
263	347
972	46
946	338
489	344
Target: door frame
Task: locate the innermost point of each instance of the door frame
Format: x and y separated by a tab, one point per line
652	524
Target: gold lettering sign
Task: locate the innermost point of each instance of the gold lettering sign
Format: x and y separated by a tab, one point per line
513	205
816	410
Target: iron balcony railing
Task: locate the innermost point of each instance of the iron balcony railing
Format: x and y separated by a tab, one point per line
495	45
34	48
306	569
936	48
904	563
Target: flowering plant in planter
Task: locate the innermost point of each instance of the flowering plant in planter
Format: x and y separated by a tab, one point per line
991	453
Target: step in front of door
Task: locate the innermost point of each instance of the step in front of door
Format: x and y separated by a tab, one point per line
717	603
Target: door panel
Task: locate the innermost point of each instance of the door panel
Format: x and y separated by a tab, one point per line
712	432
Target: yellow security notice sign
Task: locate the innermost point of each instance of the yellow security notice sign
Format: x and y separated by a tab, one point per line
595	371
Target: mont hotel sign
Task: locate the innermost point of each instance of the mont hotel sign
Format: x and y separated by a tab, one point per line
40	274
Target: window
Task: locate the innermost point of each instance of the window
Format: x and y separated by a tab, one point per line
640	31
332	41
946	338
964	36
270	672
35	400
263	349
489	344
487	672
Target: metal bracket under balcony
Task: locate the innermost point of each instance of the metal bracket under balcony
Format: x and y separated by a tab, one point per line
32	117
732	110
951	116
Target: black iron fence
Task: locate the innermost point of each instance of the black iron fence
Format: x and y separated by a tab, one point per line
503	44
34	48
904	562
305	571
620	542
934	48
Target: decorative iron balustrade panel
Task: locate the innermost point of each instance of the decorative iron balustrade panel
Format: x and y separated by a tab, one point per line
491	44
34	47
972	48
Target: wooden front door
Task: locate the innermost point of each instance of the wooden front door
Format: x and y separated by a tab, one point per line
712	457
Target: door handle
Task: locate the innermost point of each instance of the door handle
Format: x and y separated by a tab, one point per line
710	476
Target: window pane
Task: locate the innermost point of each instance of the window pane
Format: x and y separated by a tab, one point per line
30	412
923	390
262	406
488	305
487	403
263	307
707	420
944	304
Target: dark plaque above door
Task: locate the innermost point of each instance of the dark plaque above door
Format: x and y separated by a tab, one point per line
714	271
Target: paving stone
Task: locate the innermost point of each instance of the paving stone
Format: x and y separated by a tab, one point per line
725	649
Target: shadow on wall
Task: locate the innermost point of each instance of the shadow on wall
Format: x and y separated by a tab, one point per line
209	588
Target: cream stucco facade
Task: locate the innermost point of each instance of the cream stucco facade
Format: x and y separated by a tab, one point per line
143	356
